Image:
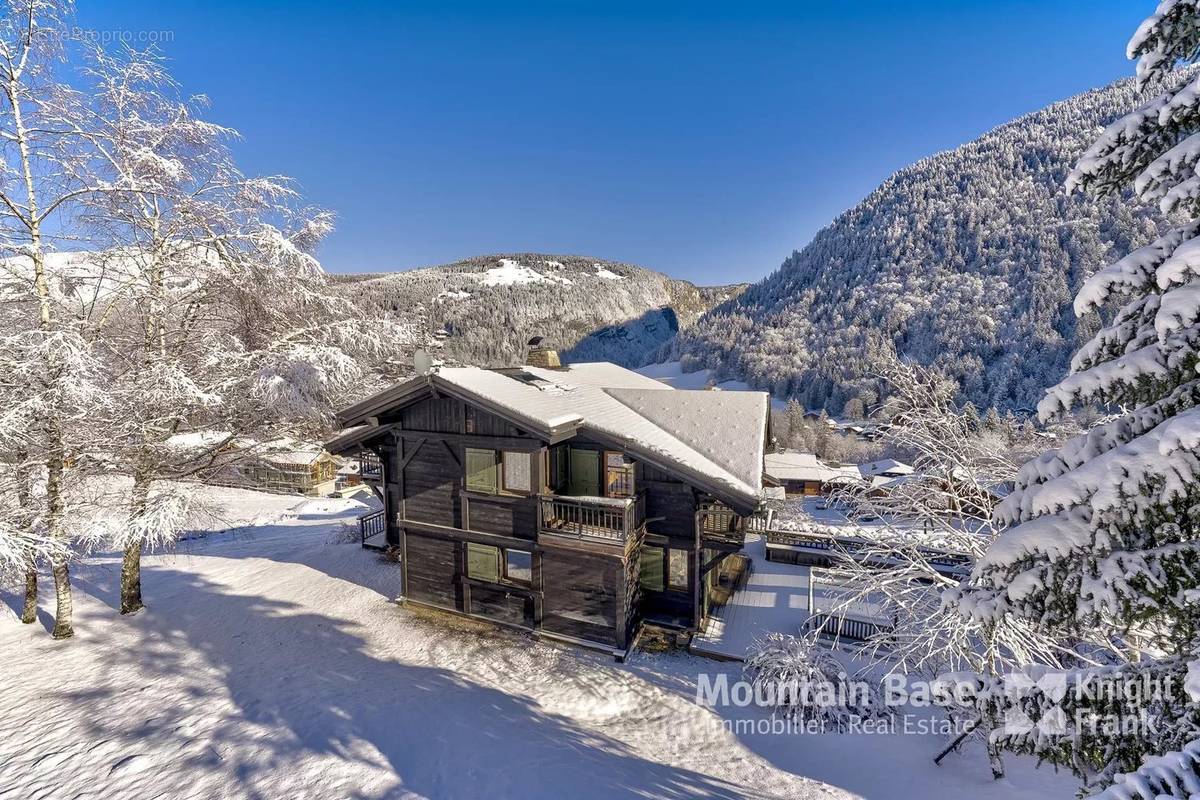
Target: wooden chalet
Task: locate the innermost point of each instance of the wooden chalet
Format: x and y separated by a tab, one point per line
577	502
805	475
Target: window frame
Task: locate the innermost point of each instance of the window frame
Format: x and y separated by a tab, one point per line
506	574
670	575
522	491
557	465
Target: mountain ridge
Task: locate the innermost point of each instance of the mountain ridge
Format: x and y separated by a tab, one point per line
967	259
483	309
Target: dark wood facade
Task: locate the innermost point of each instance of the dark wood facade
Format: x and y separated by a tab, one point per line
589	540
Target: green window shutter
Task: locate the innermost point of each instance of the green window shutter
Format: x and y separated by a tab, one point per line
483	562
652	569
481	470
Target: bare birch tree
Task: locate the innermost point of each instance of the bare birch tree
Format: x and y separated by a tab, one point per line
221	317
45	171
922	524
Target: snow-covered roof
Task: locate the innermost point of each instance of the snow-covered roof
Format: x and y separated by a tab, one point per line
887	466
198	440
716	437
792	465
284	451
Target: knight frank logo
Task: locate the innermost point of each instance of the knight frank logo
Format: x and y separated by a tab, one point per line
1062	703
1022	692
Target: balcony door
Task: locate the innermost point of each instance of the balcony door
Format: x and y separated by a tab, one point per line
585	473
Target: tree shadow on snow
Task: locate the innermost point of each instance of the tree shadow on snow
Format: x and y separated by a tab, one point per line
309	681
16	602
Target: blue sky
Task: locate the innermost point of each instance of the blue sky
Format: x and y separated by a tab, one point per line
704	140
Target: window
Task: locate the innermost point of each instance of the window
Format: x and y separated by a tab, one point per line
491	472
470	423
482	470
677	569
518	566
517	477
618	475
556	471
652	569
483	562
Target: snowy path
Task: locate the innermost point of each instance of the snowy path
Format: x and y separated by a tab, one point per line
272	664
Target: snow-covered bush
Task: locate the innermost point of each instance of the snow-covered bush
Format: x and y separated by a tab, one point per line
802	680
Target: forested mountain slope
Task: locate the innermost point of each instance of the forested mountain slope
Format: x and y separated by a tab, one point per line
490	306
968	259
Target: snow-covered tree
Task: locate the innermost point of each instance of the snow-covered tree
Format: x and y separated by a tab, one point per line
1104	532
47	171
211	311
801	679
920	524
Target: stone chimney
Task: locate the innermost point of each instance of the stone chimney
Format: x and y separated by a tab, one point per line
542	356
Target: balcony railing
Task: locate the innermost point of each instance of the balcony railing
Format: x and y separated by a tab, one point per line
372	529
851	629
371	466
721	525
946	562
606	519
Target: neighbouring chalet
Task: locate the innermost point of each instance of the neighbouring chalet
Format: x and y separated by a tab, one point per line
283	465
577	502
805	475
879	472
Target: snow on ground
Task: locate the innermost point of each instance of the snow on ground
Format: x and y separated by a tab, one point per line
271	663
510	272
671	373
607	274
774	599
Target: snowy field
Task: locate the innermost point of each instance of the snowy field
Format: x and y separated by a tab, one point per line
271	663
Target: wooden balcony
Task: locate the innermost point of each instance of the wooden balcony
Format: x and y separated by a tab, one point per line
370	465
606	520
721	528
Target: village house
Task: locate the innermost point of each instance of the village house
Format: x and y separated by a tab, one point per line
283	465
805	475
579	502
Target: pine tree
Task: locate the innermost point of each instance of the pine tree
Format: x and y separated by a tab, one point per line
1105	531
794	413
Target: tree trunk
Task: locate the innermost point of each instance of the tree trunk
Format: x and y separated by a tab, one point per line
131	579
997	764
131	565
62	592
29	612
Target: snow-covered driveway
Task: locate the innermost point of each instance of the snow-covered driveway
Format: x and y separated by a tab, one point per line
272	664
